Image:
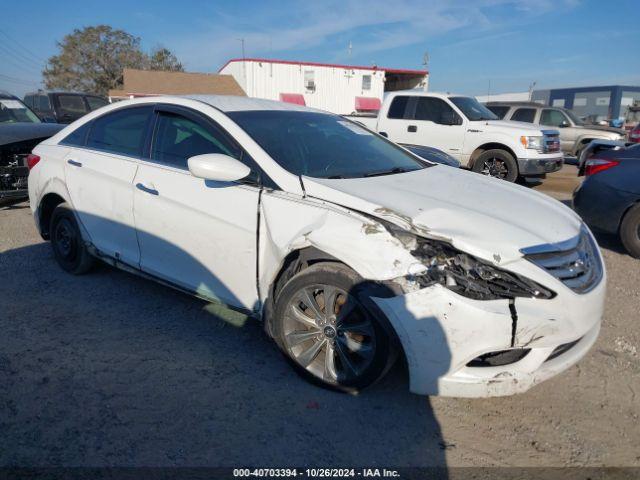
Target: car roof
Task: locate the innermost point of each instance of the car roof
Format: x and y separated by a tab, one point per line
518	104
234	103
7	95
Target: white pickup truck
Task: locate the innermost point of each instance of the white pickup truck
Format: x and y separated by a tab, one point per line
467	130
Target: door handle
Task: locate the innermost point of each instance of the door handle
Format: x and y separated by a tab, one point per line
412	128
74	163
144	188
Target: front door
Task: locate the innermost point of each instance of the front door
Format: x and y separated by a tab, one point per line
431	124
99	176
195	233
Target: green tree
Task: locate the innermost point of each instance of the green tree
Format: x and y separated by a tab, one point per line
92	60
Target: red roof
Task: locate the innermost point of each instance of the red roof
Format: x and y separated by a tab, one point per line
295	98
334	65
368	104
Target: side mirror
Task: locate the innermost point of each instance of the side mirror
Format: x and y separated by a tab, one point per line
217	167
564	124
449	117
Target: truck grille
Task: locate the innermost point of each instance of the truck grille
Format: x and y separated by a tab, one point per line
576	262
551	142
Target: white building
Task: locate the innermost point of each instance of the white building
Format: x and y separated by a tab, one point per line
341	89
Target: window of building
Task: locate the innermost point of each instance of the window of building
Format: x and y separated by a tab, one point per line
366	82
309	80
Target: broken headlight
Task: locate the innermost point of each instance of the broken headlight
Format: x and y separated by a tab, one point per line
462	273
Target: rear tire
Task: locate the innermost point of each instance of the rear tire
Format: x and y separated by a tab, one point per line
497	164
630	231
343	347
66	241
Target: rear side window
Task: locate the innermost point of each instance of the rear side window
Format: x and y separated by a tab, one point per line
77	138
524	115
122	132
499	111
398	107
96	102
43	103
72	104
178	138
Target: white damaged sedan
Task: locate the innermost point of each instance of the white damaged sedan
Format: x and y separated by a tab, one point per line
352	250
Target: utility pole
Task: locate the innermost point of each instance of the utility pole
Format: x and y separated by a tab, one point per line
244	66
531	85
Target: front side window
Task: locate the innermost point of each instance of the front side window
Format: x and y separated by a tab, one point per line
122	131
178	138
322	145
72	104
524	115
473	109
553	118
434	110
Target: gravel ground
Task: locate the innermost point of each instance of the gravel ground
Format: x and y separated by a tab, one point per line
109	369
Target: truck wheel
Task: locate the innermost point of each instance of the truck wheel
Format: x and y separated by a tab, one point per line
630	231
323	326
498	164
68	248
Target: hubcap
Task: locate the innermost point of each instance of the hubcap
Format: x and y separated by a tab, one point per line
65	239
329	333
494	167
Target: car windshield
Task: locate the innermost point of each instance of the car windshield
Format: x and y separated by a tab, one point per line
574	118
13	111
323	145
473	109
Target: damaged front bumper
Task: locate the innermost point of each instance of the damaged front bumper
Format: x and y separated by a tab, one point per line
442	333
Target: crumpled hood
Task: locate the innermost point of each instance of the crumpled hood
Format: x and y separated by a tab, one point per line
486	217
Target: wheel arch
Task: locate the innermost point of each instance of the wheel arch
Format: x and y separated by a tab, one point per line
490	146
47	205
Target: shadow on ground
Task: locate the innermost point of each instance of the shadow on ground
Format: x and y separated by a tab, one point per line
109	369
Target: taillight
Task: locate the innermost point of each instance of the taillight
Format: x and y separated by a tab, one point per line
595	165
634	135
32	159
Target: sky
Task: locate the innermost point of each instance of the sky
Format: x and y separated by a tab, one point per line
474	47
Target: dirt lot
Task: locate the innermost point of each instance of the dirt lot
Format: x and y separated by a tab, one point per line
109	369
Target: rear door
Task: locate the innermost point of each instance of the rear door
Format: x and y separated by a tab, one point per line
100	167
195	233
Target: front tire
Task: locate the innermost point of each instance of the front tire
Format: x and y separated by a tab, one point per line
66	241
630	231
498	164
325	326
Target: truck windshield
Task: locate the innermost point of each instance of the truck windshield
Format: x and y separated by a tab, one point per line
14	111
323	145
574	117
473	109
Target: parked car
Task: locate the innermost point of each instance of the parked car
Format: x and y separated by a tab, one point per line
20	131
609	197
348	247
634	134
63	107
433	155
593	148
466	130
574	133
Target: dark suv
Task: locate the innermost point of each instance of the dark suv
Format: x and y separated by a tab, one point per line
63	107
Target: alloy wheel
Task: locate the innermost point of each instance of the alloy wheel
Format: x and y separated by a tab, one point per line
328	332
495	167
